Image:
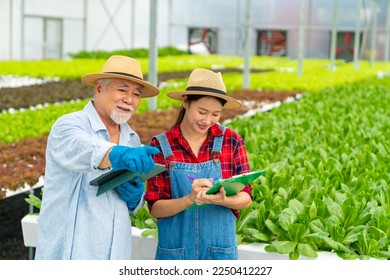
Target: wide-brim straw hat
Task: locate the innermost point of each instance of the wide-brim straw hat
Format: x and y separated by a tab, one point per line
208	83
122	67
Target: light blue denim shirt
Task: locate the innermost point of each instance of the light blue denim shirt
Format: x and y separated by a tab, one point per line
73	222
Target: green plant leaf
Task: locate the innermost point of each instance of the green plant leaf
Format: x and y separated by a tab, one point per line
284	247
317	225
275	229
298	232
323	240
307	250
262	237
149	232
367	246
34	201
353	233
246	220
286	218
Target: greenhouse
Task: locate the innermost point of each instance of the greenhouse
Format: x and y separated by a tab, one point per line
312	76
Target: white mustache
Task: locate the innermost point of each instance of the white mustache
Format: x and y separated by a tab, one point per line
125	106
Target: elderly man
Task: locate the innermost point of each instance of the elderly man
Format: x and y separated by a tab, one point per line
74	223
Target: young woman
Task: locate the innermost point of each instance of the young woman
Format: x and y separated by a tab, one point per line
197	151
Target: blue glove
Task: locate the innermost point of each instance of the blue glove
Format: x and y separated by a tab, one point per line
131	193
137	159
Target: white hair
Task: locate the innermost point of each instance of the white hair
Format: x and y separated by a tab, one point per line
105	81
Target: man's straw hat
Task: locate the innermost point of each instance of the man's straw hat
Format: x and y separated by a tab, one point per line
122	67
208	83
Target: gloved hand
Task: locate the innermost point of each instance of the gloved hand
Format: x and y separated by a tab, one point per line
137	159
131	193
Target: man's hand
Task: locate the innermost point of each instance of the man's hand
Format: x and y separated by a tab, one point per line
131	193
137	159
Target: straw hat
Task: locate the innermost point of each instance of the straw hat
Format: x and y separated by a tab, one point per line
208	83
122	67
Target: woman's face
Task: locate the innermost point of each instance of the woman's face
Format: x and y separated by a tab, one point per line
201	114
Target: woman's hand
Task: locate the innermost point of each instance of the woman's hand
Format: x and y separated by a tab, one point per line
218	198
198	186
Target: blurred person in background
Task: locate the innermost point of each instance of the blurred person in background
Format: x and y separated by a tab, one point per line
74	223
199	146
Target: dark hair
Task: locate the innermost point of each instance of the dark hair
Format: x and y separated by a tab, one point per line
194	97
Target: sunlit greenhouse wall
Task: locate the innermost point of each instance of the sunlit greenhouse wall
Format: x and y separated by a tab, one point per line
51	29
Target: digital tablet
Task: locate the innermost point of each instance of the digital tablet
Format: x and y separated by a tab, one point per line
112	179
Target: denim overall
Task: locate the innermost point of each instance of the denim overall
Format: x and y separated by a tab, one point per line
206	233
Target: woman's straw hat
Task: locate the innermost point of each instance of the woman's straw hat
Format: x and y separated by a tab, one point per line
122	67
208	83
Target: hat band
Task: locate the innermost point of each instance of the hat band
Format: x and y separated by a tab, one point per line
206	89
124	74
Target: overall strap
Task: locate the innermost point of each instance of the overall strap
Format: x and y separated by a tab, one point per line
217	146
165	147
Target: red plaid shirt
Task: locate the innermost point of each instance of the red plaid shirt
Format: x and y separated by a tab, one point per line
233	159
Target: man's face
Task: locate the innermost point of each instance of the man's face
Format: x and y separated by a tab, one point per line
118	100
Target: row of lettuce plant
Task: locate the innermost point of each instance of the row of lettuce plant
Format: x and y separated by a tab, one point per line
74	69
138	53
285	68
37	123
